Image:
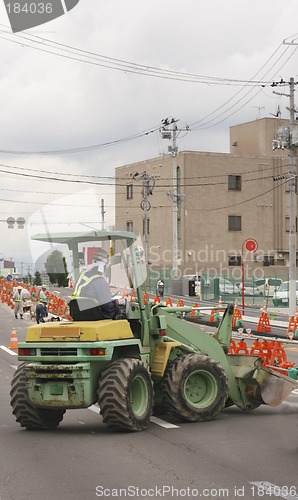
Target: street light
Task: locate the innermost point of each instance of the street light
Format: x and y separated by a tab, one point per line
11	222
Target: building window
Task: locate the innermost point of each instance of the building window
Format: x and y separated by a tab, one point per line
234	260
129	191
234	182
234	222
146	221
129	225
268	260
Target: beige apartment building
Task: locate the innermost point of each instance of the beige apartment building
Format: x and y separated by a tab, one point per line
224	200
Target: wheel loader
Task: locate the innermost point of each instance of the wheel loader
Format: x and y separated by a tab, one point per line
148	361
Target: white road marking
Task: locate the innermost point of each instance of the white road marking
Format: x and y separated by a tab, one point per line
154	420
8	350
163	423
94	408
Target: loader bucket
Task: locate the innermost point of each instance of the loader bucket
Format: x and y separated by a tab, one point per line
274	387
258	384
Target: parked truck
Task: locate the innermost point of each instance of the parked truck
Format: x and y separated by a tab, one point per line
149	361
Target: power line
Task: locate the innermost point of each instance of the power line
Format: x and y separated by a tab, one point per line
81	149
237	203
127	66
113	183
114	63
204	125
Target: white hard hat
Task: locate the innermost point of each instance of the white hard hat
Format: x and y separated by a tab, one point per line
100	255
20	287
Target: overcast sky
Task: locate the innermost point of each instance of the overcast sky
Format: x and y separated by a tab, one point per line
112	70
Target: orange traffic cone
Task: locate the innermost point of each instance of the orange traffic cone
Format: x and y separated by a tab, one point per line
264	322
220	304
13	340
156	300
169	302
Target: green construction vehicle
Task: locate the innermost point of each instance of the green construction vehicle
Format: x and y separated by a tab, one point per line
149	361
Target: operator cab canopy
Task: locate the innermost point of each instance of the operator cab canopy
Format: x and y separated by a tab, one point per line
127	266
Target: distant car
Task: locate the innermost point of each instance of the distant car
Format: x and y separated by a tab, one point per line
249	288
226	287
281	296
268	286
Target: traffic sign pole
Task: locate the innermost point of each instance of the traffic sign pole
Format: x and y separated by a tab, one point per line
250	245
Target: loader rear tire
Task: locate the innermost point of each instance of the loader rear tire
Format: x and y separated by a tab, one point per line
25	412
195	388
125	395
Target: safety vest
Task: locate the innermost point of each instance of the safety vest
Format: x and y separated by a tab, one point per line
19	297
82	283
43	299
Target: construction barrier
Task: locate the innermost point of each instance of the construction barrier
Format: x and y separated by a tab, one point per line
242	347
237	317
264	321
292	331
156	300
169	302
271	351
195	313
214	317
233	347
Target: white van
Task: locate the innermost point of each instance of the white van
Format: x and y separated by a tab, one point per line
226	287
281	296
268	286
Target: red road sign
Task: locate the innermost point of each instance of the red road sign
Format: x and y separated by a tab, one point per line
251	245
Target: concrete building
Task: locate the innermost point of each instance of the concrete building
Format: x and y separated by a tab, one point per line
225	199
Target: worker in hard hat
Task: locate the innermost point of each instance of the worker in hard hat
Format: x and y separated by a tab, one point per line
92	299
42	306
43	295
18	298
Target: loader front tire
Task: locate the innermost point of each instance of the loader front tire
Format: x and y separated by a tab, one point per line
195	388
125	395
25	412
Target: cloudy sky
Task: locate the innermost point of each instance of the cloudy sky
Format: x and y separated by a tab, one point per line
86	93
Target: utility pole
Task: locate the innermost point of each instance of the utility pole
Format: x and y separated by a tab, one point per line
147	190
102	214
174	152
293	208
172	134
287	138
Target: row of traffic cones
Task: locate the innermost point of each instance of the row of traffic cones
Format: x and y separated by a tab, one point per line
263	323
271	351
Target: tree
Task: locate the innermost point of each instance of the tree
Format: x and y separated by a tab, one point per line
37	280
28	279
56	268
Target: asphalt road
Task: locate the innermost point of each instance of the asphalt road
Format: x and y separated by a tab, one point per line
234	456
